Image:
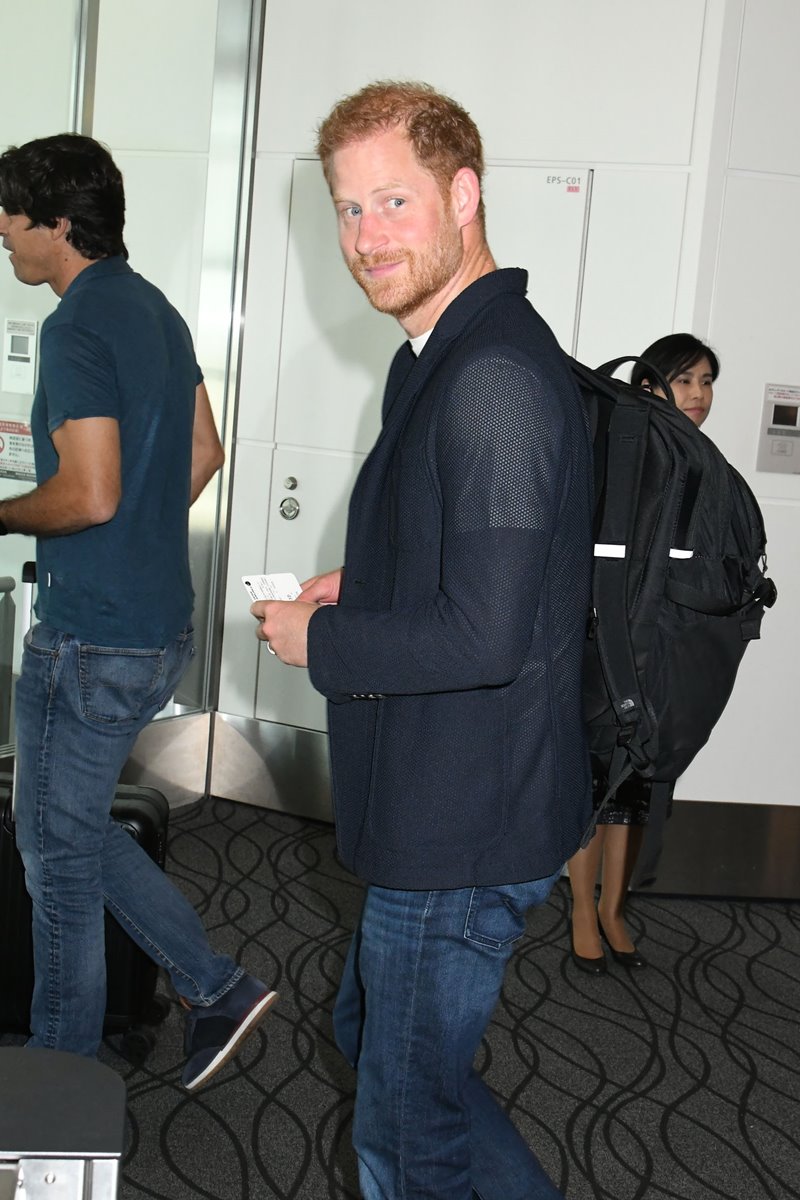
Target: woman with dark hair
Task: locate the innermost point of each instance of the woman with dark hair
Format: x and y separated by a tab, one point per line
691	368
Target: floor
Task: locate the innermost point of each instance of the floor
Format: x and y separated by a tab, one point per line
679	1082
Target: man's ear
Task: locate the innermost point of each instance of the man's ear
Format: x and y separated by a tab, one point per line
465	191
61	228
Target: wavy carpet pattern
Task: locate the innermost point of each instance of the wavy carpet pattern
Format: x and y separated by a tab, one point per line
680	1082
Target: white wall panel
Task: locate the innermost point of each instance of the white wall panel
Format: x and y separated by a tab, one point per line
535	218
263	308
155	72
754	319
38	46
335	349
752	753
247	539
571	83
311	543
632	262
766	135
165	210
544	80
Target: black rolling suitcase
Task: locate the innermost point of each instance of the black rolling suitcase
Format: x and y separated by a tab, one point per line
132	1004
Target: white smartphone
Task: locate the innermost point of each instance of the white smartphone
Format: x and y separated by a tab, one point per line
280	586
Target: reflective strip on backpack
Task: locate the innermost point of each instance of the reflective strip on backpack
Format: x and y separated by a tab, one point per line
603	550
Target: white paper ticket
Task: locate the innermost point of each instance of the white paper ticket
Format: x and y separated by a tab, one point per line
280	586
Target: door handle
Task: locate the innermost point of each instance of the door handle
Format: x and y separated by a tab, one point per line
289	508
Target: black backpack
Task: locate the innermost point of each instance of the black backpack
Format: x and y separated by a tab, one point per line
679	584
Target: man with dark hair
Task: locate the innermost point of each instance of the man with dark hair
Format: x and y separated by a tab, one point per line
74	175
449	647
124	442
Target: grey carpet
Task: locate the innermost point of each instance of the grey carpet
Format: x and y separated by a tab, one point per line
681	1082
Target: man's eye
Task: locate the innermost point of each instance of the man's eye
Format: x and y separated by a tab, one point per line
396	202
350	212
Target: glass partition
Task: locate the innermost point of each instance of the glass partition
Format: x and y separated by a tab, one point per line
38	95
175	110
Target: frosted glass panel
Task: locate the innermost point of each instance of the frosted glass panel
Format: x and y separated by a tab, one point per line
165	208
38	50
155	73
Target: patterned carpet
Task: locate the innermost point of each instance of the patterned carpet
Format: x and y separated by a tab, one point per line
677	1083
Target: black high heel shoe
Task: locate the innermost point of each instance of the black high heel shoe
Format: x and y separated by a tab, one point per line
592	966
631	959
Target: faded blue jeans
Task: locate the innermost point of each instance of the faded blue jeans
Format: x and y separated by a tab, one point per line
79	709
421	980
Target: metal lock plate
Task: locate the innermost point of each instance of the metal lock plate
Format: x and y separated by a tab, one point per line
289	508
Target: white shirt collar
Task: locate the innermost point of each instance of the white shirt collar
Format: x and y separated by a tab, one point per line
418	343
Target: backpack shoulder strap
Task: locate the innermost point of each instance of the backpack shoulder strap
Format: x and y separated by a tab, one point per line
627	439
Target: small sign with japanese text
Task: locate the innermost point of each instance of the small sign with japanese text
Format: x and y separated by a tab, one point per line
16	450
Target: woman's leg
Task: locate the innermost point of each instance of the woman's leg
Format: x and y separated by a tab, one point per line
620	851
583	869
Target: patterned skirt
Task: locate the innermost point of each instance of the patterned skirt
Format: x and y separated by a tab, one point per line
630	805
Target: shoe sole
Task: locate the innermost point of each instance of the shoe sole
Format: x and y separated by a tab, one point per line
243	1031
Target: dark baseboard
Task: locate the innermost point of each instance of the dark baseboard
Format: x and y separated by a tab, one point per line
732	850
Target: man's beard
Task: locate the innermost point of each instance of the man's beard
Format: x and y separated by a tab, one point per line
425	274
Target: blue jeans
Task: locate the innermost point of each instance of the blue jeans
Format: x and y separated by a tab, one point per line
79	709
420	983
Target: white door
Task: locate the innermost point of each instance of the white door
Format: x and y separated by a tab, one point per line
325	374
305	533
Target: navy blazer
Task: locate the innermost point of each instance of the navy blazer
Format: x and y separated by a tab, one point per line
453	659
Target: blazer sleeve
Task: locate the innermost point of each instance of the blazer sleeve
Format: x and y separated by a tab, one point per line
501	458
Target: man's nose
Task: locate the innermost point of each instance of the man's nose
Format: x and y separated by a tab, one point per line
370	235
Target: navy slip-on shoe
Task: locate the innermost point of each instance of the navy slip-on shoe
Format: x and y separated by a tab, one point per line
215	1034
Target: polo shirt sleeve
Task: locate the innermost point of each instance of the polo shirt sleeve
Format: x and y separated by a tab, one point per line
78	375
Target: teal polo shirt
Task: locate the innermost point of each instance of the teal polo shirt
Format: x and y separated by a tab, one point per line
115	347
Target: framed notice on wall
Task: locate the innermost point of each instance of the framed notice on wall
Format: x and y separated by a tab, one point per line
16	450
